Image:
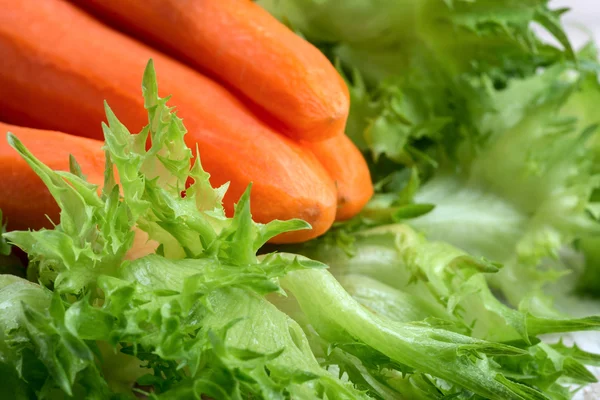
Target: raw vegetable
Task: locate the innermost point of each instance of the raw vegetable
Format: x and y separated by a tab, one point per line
348	168
526	191
178	320
25	201
500	126
483	146
589	281
383	347
395	273
426	38
175	320
244	46
405	310
45	86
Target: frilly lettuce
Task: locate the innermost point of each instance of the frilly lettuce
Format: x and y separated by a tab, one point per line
399	35
421	347
485	140
191	320
500	126
409	62
176	321
405	280
523	192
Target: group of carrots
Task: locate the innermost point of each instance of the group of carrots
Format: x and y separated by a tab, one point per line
262	105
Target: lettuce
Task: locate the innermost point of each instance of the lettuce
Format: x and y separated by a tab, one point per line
589	280
423	348
408	281
409	63
400	35
103	323
526	190
483	144
42	358
146	287
499	127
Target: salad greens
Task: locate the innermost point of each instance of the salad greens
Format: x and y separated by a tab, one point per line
499	127
480	136
187	316
176	320
483	146
527	190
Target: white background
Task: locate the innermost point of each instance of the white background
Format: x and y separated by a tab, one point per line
584	15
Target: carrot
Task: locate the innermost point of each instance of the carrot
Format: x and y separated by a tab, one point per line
347	167
24	199
59	64
244	46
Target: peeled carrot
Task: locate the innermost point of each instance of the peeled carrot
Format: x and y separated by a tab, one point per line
24	199
244	46
59	64
348	168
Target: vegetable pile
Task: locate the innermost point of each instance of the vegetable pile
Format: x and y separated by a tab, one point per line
157	280
56	75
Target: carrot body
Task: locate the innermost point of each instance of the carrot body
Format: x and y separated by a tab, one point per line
348	168
243	45
59	64
24	199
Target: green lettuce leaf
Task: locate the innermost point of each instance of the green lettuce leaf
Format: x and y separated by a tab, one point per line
38	353
187	315
484	139
525	191
588	280
398	275
111	320
456	358
494	33
500	126
409	64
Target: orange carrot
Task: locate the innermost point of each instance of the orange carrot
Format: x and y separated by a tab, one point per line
244	46
347	167
59	64
24	199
